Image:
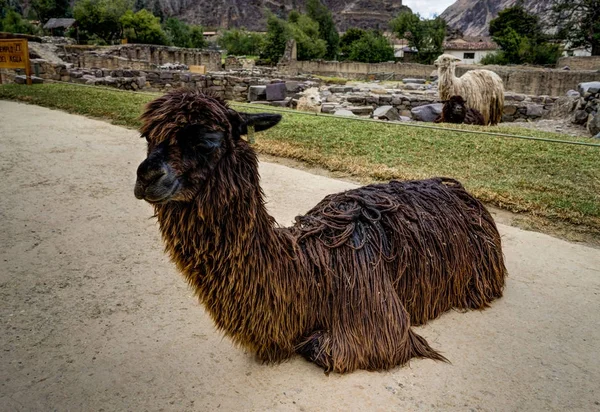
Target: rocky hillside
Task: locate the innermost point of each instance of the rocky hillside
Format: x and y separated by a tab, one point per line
473	17
250	13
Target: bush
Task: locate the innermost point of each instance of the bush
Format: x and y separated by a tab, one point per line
181	34
241	42
278	33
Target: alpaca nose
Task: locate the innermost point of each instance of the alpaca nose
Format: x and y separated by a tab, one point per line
148	174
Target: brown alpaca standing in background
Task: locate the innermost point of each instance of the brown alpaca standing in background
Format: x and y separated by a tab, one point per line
343	286
456	111
483	89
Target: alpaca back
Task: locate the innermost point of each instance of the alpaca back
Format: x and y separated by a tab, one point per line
418	238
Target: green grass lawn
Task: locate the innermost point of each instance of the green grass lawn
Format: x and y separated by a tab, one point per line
547	180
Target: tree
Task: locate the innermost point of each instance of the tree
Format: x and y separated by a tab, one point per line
182	34
47	9
424	35
239	42
278	33
101	18
372	47
14	23
579	22
143	27
518	19
521	39
327	31
197	40
352	35
306	34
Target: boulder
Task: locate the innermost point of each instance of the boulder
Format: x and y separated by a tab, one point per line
256	93
593	124
588	87
428	112
573	93
276	92
580	117
344	112
386	113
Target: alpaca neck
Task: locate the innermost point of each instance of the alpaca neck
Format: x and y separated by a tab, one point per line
447	81
220	229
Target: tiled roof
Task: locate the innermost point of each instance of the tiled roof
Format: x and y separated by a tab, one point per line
59	23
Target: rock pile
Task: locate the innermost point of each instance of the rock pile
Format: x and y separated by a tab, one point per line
587	109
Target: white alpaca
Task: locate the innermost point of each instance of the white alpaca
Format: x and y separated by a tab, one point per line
482	89
310	101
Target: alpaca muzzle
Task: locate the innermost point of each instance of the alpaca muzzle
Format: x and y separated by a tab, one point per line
155	183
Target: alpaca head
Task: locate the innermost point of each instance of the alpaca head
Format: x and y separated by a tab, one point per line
446	61
188	134
458	106
312	96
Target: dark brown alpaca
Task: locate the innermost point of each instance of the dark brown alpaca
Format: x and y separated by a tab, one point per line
343	286
456	111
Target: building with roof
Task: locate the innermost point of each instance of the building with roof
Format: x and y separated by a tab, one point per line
57	27
470	51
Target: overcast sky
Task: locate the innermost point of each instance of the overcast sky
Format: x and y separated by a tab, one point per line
427	8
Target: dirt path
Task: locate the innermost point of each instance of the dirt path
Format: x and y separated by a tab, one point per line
94	317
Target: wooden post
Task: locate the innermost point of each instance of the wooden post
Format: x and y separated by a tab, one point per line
27	64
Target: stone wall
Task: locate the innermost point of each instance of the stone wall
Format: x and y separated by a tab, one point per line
525	80
579	63
354	70
138	56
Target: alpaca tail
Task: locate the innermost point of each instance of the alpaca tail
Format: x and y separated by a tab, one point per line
420	348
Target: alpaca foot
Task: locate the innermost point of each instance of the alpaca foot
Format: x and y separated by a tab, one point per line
316	348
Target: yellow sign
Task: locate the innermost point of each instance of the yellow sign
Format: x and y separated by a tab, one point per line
14	54
198	69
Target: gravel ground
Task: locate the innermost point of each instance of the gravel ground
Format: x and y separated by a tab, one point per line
94	317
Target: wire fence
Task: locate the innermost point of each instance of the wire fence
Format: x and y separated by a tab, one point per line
358	119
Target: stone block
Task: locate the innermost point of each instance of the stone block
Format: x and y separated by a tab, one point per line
387	113
257	93
276	91
328	107
413	81
385	99
166	75
510	110
580	117
292	86
344	112
341	89
372	99
356	99
361	110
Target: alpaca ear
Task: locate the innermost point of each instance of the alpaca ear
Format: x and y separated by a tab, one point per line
260	121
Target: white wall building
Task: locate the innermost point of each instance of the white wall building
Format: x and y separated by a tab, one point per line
470	52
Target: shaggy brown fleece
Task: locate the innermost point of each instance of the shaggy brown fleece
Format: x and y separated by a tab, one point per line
456	111
344	285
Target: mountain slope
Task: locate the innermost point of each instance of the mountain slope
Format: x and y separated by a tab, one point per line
473	17
250	13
